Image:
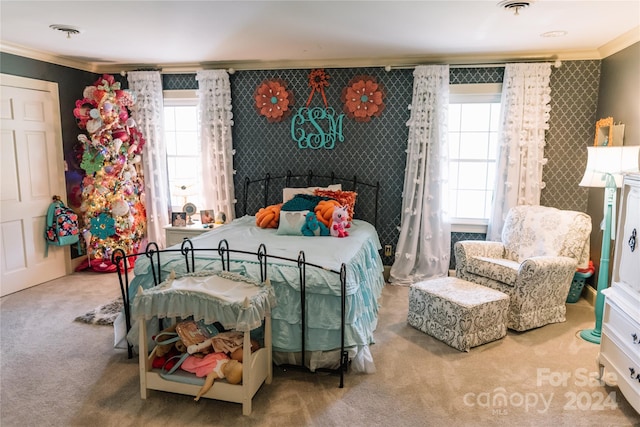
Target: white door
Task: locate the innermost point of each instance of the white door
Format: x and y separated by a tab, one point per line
32	172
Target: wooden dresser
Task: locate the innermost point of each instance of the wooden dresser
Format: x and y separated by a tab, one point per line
620	343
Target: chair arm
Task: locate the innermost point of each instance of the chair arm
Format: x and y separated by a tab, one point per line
469	248
538	268
466	249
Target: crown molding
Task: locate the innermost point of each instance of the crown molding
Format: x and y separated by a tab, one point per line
608	49
25	52
624	41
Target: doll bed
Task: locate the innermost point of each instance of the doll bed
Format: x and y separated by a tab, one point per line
236	302
322	293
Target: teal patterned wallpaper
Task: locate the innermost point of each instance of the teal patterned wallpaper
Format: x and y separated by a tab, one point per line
375	151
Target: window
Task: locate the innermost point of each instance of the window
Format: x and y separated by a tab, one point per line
182	137
474	115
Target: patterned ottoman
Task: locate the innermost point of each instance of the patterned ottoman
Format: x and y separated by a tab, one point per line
458	313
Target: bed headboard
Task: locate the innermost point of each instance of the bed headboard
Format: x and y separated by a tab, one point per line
265	191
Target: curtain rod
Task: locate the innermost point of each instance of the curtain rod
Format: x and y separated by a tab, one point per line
411	67
477	65
556	63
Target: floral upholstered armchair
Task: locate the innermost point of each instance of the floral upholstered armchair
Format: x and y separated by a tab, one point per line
534	263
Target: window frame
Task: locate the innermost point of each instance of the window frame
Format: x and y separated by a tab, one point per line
178	98
468	93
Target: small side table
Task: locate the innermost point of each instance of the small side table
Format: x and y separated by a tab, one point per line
175	235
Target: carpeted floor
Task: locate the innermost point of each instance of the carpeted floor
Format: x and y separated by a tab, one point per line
59	372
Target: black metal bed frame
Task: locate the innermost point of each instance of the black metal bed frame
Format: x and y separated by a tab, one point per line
352	184
152	251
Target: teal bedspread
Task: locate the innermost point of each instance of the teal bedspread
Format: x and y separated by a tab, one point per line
364	280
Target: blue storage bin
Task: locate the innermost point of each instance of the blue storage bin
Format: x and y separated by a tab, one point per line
577	284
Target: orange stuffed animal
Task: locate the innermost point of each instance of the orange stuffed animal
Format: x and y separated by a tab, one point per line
324	210
269	217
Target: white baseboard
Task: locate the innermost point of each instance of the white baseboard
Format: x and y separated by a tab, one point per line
589	294
386	272
75	262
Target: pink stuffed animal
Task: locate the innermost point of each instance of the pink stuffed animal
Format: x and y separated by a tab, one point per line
340	222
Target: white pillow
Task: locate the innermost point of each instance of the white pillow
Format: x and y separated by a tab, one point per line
288	193
291	222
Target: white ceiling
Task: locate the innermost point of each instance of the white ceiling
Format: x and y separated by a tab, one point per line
276	34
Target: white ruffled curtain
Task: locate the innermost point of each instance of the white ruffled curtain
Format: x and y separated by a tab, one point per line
526	95
424	245
216	120
148	112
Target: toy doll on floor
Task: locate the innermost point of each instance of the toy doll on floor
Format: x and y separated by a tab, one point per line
214	366
224	362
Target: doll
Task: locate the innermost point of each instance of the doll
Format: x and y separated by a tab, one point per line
215	366
225	361
229	342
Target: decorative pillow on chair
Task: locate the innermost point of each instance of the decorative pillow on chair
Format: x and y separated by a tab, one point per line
288	193
347	198
291	222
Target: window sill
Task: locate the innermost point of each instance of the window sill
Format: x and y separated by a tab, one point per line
469	228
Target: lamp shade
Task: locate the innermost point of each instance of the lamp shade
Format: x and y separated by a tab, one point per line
610	160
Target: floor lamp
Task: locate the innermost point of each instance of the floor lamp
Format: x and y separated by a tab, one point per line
605	166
